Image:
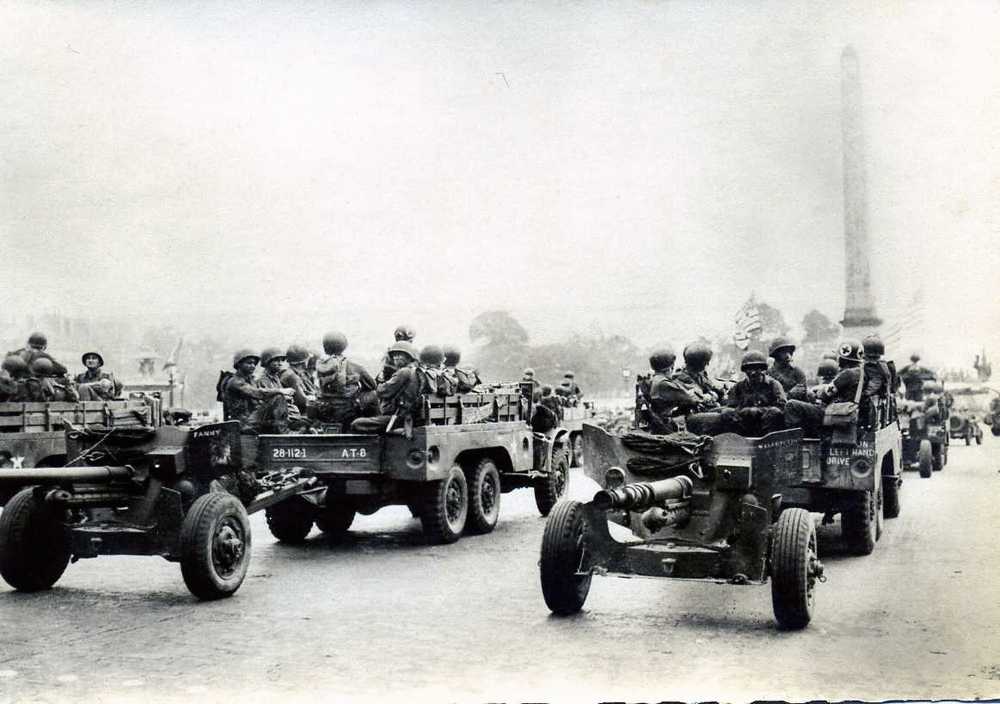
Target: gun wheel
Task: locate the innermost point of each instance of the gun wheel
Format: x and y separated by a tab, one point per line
859	523
484	497
215	546
446	507
795	567
564	574
34	545
290	521
553	485
925	459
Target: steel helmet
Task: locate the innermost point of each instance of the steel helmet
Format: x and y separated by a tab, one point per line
15	366
849	351
404	332
697	354
270	354
38	339
406	348
915	357
100	359
245	354
873	346
529	372
753	360
42	367
296	353
568	375
431	355
780	343
334	342
662	358
452	355
827	368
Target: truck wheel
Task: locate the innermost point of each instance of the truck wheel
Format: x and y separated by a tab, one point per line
550	488
484	497
576	444
34	545
968	437
335	518
564	548
446	507
858	523
290	521
937	457
890	499
794	569
215	546
925	459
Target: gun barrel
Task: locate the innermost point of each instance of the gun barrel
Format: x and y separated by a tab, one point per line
60	475
643	495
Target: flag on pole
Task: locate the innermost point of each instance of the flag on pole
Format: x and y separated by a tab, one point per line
747	323
174	355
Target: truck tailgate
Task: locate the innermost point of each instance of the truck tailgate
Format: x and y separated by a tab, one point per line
339	455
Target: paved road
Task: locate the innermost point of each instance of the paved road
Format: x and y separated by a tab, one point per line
385	616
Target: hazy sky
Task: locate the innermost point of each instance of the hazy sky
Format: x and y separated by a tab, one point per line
289	167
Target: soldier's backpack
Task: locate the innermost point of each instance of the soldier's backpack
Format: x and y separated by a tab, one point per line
332	373
468	379
220	386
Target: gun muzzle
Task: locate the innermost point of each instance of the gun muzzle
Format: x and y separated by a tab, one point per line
643	495
62	475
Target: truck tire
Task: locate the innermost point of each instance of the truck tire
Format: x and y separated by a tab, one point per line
968	437
925	460
290	521
550	488
859	524
564	547
890	498
484	497
215	546
793	569
938	457
576	450
335	519
34	544
446	507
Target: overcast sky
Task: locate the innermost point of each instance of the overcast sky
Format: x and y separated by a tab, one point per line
637	168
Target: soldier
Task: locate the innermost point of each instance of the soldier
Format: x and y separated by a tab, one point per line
45	384
433	380
564	392
528	377
13	377
662	392
259	410
397	397
701	398
826	371
346	389
791	378
37	344
547	412
273	364
913	376
574	389
463	379
89	381
878	375
758	400
809	416
296	376
402	333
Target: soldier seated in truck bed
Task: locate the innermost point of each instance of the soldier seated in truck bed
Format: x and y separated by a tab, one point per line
809	415
257	409
398	396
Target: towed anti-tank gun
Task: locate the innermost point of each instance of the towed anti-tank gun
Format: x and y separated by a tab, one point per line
180	493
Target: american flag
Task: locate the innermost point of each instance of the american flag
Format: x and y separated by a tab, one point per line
747	323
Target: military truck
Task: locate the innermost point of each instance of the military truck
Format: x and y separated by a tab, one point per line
451	471
33	434
708	509
925	439
180	493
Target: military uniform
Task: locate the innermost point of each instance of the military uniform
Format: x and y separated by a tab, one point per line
256	410
758	406
91	389
300	381
463	379
30	354
790	377
396	397
913	376
665	397
345	390
809	416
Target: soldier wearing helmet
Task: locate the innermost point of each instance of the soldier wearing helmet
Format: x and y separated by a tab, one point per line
258	409
432	378
791	378
692	392
346	389
13	374
547	413
36	349
879	376
89	384
843	388
826	371
463	379
297	377
402	333
46	384
913	376
398	397
758	400
575	392
658	397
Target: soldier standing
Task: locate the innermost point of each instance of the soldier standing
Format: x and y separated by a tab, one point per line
260	410
791	378
913	376
528	377
89	381
758	399
346	389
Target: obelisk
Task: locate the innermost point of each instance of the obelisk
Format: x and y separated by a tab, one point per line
859	308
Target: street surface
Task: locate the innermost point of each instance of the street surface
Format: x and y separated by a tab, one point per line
386	617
